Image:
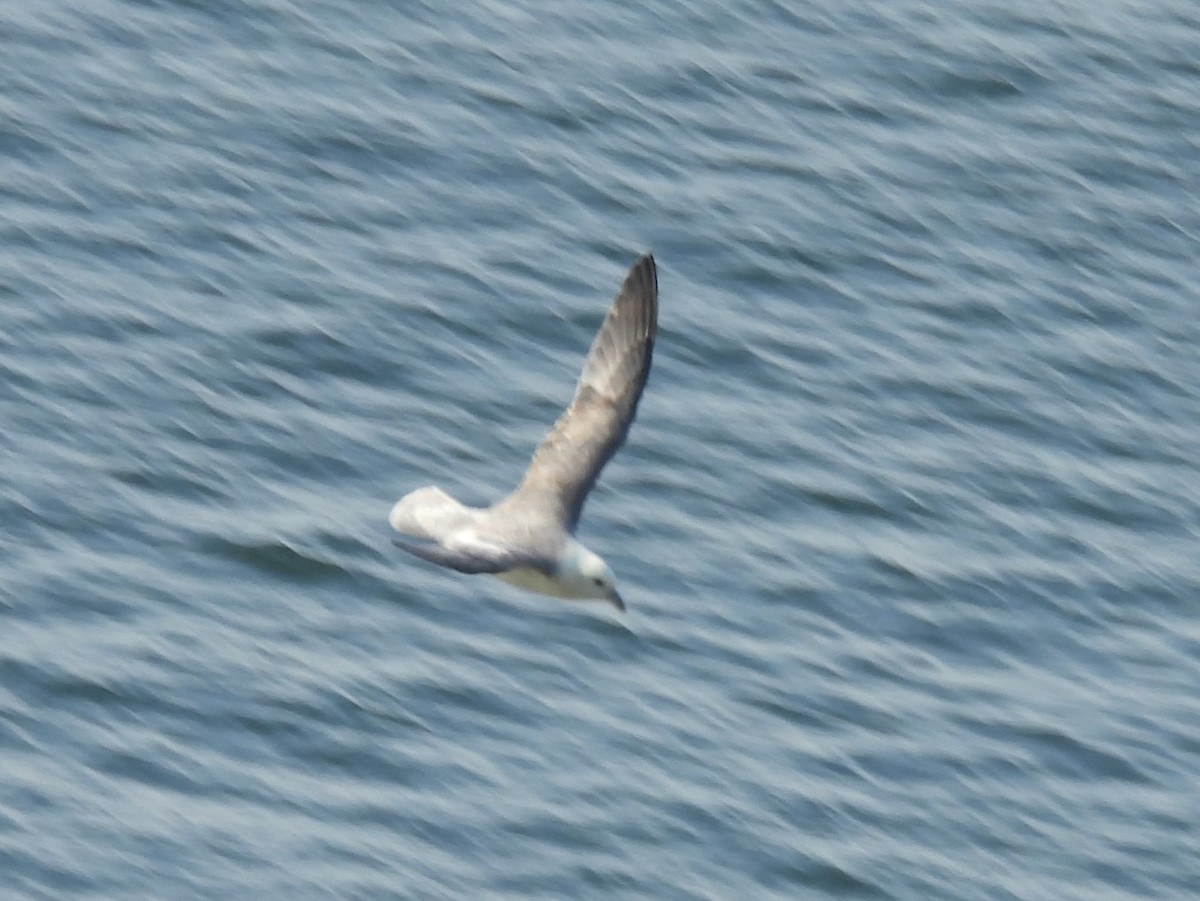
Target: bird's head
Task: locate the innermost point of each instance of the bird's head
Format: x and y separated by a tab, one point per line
591	577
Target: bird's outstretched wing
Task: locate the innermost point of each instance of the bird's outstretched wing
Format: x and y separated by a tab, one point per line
570	457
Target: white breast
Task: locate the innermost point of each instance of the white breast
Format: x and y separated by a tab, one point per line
535	580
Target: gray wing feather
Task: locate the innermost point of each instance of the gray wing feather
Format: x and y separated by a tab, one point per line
569	459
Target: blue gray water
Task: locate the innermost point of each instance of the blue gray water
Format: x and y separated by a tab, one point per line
908	522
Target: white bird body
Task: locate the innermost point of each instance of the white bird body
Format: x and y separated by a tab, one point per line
527	539
573	580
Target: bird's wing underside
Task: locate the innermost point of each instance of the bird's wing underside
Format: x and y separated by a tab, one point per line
474	559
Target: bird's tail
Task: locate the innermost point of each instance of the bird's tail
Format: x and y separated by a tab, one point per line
429	513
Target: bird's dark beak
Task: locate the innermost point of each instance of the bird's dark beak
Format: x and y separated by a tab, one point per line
615	600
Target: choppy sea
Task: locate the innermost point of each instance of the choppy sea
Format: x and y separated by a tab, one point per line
908	524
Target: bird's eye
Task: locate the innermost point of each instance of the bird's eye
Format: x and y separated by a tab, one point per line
598	582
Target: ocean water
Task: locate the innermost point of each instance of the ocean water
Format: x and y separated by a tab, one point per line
908	522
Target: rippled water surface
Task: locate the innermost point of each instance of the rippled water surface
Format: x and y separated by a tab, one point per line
907	524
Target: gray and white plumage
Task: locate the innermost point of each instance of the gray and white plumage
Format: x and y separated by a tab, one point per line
528	538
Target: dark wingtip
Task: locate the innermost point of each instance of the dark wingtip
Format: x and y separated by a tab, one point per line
642	282
645	264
